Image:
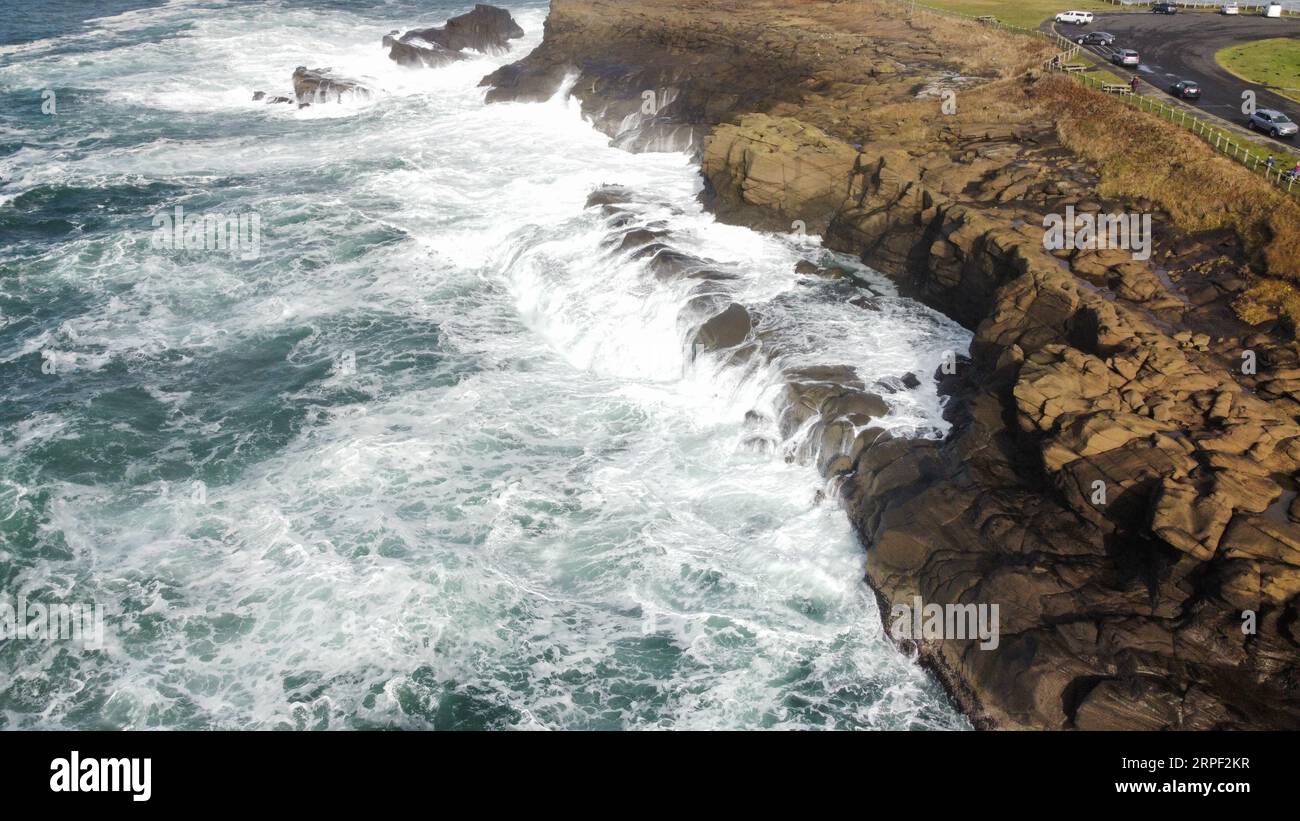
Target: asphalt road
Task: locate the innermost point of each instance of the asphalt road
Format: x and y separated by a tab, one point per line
1182	47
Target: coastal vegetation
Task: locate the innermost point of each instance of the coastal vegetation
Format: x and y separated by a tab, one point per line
1274	63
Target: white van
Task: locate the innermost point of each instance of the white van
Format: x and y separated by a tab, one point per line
1273	10
1230	8
1078	18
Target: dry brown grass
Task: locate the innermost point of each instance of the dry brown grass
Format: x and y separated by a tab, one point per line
1269	299
918	123
971	47
1142	156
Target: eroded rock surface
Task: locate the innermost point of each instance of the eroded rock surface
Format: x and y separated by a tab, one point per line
1117	479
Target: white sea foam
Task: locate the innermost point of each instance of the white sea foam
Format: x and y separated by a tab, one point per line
537	516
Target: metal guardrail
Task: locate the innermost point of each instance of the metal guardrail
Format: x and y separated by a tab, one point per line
1214	136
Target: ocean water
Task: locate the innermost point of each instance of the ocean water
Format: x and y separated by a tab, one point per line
435	457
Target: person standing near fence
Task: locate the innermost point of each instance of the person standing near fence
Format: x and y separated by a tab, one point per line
1133	84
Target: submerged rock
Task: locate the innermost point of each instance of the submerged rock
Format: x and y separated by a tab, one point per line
317	85
609	195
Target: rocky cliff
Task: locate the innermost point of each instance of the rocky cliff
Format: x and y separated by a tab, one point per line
1120	477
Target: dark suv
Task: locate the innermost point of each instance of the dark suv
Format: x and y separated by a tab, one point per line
1164	8
1096	38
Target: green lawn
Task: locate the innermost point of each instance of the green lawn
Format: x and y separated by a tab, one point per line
1274	63
1024	13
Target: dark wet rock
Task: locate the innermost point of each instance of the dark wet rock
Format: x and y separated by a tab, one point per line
866	303
712	276
524	84
668	263
841	375
486	29
727	329
610	195
318	85
637	238
416	52
897	384
261	96
839	466
645	98
828	393
833	442
864	440
856	406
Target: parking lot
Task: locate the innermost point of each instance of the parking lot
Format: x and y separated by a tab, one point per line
1182	47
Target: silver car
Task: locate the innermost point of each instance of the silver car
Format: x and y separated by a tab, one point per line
1273	123
1125	57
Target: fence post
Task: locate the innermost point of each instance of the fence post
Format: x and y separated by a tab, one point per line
1216	139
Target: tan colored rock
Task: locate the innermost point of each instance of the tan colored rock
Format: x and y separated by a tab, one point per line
1189	521
781	169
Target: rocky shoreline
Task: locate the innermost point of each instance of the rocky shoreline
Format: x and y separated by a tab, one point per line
1120	475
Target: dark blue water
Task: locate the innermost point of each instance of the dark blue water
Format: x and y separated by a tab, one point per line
24	22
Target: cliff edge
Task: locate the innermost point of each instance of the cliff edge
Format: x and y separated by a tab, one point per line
1121	475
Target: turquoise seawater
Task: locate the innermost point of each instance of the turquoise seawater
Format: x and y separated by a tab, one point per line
433	457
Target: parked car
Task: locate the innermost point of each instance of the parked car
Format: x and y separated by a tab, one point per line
1096	38
1125	57
1164	8
1230	8
1078	18
1273	123
1186	89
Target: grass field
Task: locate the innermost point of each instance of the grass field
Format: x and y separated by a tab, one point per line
1274	63
1024	13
